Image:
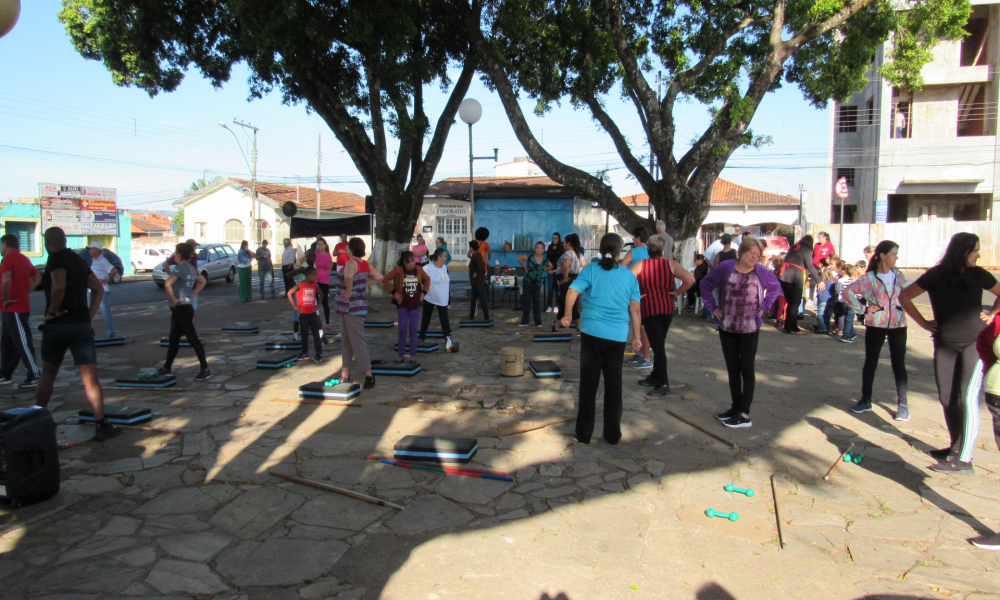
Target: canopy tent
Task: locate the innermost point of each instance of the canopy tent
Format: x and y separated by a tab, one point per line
305	228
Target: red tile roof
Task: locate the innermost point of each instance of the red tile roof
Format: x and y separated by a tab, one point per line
500	186
329	199
727	192
148	227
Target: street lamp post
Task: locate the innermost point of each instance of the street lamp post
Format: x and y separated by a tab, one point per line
254	213
470	111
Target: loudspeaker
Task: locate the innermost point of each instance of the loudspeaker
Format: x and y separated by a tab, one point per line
29	460
289	209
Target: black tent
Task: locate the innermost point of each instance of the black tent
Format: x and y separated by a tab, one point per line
307	228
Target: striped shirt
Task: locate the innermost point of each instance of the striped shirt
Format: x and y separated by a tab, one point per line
656	281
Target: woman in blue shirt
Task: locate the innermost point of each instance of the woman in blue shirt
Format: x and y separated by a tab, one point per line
443	245
610	307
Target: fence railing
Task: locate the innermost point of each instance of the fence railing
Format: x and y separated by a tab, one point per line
921	245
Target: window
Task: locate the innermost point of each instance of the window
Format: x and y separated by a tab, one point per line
25	232
234	231
847	119
900	120
455	231
870	109
850	212
848	174
199	230
283	229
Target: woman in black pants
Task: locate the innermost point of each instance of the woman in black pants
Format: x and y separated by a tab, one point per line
796	267
956	287
567	269
183	286
437	296
881	288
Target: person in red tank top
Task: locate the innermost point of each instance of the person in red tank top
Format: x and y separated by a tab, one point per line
656	277
305	296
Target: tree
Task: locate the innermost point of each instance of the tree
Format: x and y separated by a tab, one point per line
361	66
202	181
179	222
724	54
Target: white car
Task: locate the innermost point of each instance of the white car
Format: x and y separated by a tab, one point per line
147	259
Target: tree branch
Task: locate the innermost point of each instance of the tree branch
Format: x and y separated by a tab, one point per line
375	107
811	31
643	176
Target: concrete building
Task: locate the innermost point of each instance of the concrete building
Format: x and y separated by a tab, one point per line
928	154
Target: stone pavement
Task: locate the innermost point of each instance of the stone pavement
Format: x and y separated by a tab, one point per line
197	515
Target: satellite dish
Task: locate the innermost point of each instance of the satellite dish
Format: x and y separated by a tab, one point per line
289	209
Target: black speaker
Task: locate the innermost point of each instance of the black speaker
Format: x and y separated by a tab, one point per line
289	209
29	459
370	205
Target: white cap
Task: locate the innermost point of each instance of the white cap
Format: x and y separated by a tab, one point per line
97	245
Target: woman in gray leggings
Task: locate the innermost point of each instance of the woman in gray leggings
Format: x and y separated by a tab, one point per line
955	287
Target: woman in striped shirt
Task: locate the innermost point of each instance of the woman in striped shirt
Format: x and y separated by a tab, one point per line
656	277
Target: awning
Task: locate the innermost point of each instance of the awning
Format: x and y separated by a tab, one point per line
306	228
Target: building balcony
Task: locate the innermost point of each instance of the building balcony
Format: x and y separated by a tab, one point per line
956	75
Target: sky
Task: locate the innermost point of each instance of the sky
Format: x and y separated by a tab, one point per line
62	120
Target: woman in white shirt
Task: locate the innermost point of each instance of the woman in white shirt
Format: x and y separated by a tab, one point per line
438	296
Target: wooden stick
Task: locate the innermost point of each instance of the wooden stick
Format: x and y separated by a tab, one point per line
318	402
777	513
701	429
840	459
143	389
443	469
542	426
154	429
430	464
337	490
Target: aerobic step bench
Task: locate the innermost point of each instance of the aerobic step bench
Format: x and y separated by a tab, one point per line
165	342
435	333
138	381
241	330
289	345
379	323
435	449
118	415
476	323
544	369
341	391
395	369
422	347
554	337
276	360
115	341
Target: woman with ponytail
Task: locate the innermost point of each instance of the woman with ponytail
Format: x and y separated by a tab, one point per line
610	308
880	288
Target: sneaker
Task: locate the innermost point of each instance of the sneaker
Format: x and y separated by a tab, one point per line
164	372
632	359
524	325
660	390
28	385
941	454
991	542
5	380
317	359
369	383
548	310
648	381
954	466
729	414
642	363
902	413
848	340
302	356
862	406
203	375
577	440
738	421
106	431
295	335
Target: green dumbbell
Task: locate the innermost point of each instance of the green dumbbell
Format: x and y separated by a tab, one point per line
747	492
856	458
714	513
331	383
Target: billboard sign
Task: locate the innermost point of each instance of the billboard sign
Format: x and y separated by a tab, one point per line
79	210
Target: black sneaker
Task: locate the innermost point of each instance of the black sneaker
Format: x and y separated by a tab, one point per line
164	372
954	467
849	339
302	357
203	375
648	381
317	359
106	431
5	380
660	390
941	454
729	414
524	324
28	385
369	383
862	406
738	421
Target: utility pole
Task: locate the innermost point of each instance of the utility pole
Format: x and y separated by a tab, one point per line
319	163
254	209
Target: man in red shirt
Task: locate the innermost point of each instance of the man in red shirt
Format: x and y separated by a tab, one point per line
823	249
341	252
18	277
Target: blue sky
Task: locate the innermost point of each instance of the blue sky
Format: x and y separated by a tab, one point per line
64	121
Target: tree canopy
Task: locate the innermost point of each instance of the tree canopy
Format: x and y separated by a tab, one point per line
361	66
724	54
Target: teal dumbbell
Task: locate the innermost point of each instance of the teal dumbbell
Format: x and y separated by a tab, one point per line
331	383
855	457
747	492
714	513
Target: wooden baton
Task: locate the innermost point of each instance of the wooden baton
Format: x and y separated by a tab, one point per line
836	465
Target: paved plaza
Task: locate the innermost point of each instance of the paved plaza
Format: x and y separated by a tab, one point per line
198	515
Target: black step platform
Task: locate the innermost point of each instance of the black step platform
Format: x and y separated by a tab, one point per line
553	337
289	345
341	391
544	369
160	381
395	369
476	323
435	449
115	341
119	415
241	330
422	347
165	342
276	360
371	323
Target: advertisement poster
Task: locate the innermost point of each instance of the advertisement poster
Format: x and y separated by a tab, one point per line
79	210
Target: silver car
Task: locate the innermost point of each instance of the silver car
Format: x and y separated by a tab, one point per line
215	261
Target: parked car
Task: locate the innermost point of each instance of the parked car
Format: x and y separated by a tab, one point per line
774	245
108	254
147	259
215	261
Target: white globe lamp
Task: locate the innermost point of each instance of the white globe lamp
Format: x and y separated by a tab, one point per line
10	10
470	111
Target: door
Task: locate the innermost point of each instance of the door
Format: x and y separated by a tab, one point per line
455	231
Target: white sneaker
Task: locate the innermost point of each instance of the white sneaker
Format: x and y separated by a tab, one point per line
548	310
295	336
